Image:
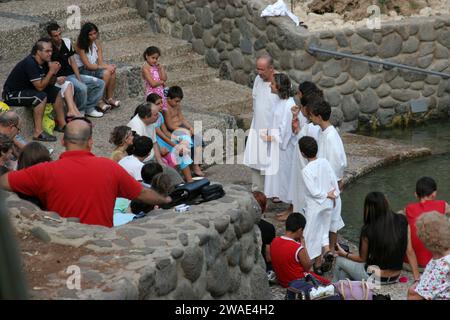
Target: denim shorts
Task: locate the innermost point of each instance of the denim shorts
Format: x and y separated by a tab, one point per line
93	73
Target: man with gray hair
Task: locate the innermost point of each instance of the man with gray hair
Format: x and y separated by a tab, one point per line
10	126
256	150
80	184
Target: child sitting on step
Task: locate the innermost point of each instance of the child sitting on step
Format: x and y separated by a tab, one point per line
181	128
154	74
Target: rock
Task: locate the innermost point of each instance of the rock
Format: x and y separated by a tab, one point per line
370	50
369	101
208	39
333	97
383	91
337	117
357	44
130	233
404	95
41	234
286	60
184	239
177	253
228	238
212	249
428	91
246	46
443	104
351	126
418	85
432	79
358	69
444	36
391	45
142	8
343	77
213	58
221	224
348	88
411	45
165	277
326	82
385	116
101	243
122	289
192	263
332	68
304	61
198	46
260	42
350	108
203	222
218	278
426	48
398	83
187	33
236	59
247	253
259	285
440	65
363	84
146	283
427	32
388	103
184	291
376	81
73	233
425	62
233	254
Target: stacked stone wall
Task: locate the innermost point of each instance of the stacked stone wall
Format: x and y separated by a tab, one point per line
231	34
211	252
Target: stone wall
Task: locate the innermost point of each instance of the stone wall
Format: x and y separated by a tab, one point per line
211	252
231	34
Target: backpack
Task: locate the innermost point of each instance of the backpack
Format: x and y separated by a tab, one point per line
186	192
300	289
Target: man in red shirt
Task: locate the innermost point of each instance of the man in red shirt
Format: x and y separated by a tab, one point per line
426	191
290	259
80	184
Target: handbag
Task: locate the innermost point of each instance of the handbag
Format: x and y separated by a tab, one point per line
354	290
302	289
186	192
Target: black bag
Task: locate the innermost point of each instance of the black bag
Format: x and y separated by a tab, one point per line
212	192
300	289
186	192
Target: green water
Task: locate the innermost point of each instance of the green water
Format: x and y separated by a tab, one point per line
398	181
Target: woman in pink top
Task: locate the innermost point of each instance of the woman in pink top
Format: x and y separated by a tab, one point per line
154	74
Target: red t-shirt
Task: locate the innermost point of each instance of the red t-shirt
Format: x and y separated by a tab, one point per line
79	184
284	255
413	212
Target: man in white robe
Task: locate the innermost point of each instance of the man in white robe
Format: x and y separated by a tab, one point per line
321	193
330	148
256	154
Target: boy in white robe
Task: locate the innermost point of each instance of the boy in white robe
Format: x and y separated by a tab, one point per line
321	193
330	148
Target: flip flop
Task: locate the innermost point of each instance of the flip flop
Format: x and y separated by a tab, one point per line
45	137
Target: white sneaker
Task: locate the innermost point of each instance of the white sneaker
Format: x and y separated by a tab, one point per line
94	114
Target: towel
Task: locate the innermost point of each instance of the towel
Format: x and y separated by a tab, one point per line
279	8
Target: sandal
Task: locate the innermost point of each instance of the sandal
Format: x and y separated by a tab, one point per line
113	103
59	129
45	137
104	108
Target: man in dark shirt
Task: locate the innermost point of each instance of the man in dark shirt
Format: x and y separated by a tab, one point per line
31	84
88	90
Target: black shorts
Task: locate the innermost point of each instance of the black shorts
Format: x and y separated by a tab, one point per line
30	97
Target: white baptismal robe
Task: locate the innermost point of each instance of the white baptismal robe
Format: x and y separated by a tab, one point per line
256	153
297	186
278	174
331	148
319	179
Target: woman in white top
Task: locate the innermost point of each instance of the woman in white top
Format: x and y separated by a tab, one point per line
89	59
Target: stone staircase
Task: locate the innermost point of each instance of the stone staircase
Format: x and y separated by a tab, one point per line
217	103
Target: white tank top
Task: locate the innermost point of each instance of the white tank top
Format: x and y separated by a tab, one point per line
92	56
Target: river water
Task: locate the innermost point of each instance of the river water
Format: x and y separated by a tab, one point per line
398	181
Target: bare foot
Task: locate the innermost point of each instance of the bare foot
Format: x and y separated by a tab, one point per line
198	172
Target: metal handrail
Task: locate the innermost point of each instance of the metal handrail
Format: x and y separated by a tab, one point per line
313	50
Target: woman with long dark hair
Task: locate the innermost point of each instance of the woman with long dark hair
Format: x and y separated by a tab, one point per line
278	175
384	241
89	59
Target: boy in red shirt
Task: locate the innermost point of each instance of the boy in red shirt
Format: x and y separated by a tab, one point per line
426	191
290	259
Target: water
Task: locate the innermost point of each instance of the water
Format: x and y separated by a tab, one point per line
398	181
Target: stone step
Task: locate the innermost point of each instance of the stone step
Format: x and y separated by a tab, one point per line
117	30
101	19
57	10
130	83
220	96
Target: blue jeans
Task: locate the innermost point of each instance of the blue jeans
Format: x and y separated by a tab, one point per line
88	91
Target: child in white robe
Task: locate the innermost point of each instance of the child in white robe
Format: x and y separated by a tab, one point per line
321	193
330	148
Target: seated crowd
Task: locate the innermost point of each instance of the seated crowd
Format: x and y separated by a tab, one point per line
158	142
